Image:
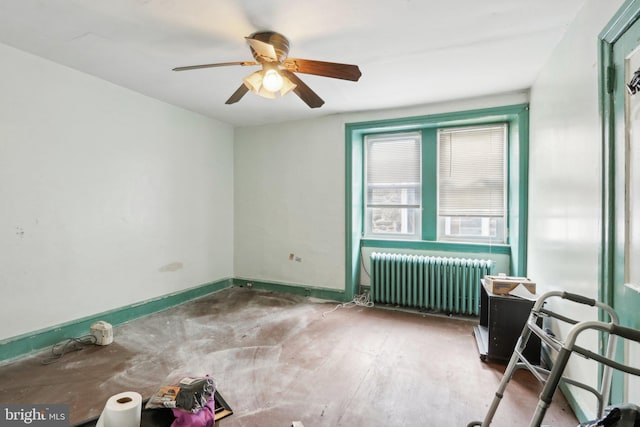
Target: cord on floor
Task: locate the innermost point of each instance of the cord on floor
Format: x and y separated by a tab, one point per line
63	347
363	300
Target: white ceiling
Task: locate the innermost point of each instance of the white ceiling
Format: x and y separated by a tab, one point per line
410	52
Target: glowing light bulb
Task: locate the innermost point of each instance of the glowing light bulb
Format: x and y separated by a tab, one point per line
272	80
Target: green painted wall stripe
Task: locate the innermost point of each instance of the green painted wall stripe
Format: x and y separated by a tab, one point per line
297	289
21	345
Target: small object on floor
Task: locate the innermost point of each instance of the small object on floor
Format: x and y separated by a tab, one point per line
164	417
186	393
215	409
624	415
103	332
71	344
363	300
203	418
222	408
121	410
297	424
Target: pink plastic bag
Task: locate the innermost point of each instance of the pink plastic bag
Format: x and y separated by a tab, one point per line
205	417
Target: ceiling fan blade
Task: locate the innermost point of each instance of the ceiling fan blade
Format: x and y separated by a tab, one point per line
264	50
219	64
303	91
322	68
238	94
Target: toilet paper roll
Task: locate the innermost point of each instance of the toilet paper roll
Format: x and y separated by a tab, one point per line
121	410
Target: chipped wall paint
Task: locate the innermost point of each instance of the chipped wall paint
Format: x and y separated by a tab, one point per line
174	266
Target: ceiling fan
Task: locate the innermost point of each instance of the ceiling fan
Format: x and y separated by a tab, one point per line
270	50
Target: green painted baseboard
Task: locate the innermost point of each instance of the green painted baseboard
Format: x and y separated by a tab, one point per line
21	345
322	293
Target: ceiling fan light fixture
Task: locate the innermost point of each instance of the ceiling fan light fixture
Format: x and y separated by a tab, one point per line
266	94
272	80
287	86
268	83
253	81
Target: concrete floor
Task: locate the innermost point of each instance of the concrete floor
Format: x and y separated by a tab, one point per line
276	359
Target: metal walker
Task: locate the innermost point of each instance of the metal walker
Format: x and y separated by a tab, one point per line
564	349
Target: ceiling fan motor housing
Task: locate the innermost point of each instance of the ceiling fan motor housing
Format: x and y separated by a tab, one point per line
279	42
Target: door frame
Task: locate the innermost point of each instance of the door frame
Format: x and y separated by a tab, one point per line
613	237
628	14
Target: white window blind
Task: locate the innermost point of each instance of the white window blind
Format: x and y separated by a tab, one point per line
471	171
393	164
392	179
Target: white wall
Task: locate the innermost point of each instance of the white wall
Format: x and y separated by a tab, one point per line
565	172
289	186
290	194
108	197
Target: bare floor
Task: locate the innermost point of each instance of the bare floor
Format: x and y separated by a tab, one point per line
278	358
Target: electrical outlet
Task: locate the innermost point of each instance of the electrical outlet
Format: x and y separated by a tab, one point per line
249	284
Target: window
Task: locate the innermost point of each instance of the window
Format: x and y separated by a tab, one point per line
462	182
358	222
471	184
393	196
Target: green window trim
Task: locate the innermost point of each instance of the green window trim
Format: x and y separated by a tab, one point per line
516	116
429	192
426	245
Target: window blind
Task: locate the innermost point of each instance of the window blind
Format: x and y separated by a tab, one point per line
393	164
471	171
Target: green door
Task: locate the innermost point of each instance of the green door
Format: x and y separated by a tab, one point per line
621	286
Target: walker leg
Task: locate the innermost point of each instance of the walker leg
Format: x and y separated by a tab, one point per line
508	373
550	387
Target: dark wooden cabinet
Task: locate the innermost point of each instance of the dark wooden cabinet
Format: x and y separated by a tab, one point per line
502	318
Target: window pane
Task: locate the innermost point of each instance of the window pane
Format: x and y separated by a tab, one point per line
393	221
471	229
393	195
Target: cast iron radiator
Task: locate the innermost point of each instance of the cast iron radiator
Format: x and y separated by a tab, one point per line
449	285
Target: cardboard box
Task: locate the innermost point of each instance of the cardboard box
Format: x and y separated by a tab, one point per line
502	285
